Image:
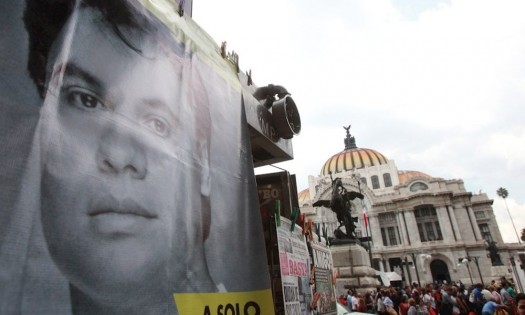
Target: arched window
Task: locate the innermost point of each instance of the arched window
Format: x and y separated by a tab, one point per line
485	232
418	186
387	180
375	182
428	223
389	229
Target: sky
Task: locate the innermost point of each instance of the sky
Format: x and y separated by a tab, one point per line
436	86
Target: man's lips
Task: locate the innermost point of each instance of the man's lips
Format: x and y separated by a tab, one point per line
126	206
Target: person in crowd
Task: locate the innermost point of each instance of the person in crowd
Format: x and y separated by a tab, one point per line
459	305
496	297
380	305
447	301
520	303
412	310
404	306
342	300
349	299
429	301
361	304
355	301
438	296
506	298
462	298
387	300
511	291
369	300
477	298
490	307
395	296
422	308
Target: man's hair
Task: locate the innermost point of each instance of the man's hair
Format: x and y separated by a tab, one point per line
45	19
519	297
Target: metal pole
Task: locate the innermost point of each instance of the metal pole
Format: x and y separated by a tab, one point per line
476	260
417	271
511	220
469	273
408	271
367	226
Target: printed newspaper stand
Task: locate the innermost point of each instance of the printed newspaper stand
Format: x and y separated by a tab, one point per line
302	271
301	267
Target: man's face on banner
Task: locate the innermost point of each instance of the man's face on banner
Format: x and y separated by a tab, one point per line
118	161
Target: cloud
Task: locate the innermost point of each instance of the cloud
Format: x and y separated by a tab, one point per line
440	89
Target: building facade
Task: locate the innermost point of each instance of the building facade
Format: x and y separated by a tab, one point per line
426	229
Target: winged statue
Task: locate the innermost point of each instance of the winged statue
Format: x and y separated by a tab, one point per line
341	205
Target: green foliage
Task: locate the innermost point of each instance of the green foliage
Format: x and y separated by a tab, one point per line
502	192
522	235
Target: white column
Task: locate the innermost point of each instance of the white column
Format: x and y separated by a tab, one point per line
475	226
375	230
410	218
445	224
402	228
454	222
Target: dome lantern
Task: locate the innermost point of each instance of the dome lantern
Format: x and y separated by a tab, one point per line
349	140
352	157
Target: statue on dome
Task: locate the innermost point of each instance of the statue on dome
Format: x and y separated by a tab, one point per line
349	140
340	203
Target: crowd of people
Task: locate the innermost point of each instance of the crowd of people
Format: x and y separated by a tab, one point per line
499	298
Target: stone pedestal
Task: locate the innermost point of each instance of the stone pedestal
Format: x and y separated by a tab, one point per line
355	271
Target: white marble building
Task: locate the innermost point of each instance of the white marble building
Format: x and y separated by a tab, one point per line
421	226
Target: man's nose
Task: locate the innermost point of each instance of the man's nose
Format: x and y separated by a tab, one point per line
122	152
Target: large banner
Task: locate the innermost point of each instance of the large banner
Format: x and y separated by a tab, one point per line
295	268
126	174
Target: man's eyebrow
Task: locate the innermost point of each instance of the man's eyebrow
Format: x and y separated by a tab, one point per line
74	70
161	106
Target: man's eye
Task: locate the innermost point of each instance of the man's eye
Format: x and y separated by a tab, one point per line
83	99
158	126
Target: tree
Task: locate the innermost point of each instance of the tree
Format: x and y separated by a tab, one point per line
503	193
523	235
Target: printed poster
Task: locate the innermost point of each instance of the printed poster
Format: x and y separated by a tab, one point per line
126	171
295	269
324	297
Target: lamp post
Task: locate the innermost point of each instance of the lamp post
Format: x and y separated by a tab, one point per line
408	271
464	262
415	265
476	261
423	256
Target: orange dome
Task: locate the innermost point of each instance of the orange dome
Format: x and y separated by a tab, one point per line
407	176
304	196
354	158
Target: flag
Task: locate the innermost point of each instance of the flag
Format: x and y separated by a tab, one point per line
365	218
